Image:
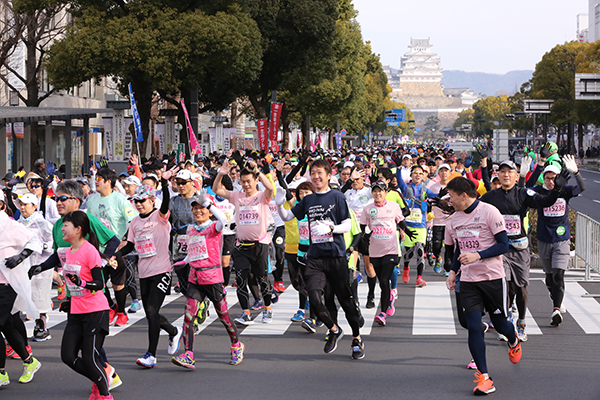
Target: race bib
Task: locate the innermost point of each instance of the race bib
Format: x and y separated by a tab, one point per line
73	269
468	241
144	245
558	209
513	224
383	230
197	248
328	237
182	244
248	215
62	255
303	232
416	216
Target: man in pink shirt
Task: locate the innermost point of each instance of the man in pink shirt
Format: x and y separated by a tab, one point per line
477	236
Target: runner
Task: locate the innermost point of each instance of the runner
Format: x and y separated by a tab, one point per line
228	236
439	223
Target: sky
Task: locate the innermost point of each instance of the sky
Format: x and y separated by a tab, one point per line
471	35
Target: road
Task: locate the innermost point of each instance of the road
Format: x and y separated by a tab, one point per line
421	354
588	202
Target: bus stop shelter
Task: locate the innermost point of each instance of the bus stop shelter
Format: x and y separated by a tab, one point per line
27	115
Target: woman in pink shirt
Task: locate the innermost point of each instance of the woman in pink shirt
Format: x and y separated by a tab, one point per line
87	323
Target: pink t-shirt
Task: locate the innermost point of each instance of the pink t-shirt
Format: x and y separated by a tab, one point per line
251	216
440	218
382	222
204	253
474	232
151	238
80	263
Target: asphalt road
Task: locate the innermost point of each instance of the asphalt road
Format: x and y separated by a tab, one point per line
588	202
410	358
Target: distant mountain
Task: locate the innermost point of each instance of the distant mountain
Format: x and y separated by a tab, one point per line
488	84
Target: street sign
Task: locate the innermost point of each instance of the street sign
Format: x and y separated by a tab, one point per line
467	127
395	115
343	132
587	86
538	106
393	123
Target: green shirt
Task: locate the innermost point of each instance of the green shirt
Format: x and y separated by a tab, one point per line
101	231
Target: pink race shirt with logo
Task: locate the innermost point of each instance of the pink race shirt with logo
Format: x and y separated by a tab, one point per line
80	263
251	216
440	218
382	222
151	237
204	253
475	232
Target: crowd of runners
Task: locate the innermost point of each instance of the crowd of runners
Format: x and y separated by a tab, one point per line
240	219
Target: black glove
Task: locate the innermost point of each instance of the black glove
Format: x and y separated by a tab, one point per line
266	167
103	163
34	270
12	262
483	152
561	180
74	278
411	234
443	192
545	151
65	306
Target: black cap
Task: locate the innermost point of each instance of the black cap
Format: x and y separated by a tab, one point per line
380	185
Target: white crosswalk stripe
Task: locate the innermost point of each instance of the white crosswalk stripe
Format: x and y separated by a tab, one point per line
433	311
368	314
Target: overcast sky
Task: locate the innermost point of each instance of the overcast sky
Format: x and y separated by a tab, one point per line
471	35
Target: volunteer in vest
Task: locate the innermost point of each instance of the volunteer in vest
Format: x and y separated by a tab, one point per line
513	203
149	235
251	256
553	231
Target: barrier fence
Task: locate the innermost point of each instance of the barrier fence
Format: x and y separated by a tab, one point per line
587	243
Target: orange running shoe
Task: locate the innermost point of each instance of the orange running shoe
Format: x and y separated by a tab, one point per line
122	319
514	353
484	386
405	274
420	282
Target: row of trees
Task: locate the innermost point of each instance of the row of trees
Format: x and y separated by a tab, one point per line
554	79
227	51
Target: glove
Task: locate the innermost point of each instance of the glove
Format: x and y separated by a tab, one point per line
468	161
65	306
74	278
525	164
545	151
483	152
103	163
12	262
443	192
50	168
34	270
280	196
570	164
411	234
266	167
321	230
561	180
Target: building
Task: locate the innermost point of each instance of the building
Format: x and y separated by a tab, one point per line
420	70
593	33
582	28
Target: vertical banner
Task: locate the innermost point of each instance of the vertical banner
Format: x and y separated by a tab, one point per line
159	130
227	139
219	136
19	130
107	122
128	143
9	130
136	117
338	140
169	133
274	124
194	145
261	127
118	135
212	137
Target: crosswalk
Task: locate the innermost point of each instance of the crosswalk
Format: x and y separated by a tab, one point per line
433	313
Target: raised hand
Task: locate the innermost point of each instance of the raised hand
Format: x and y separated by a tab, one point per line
570	164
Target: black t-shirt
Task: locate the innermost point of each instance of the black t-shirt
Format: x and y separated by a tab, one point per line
331	208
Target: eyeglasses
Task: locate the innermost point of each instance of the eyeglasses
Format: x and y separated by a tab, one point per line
35	186
547	178
417	173
181	183
139	201
63	198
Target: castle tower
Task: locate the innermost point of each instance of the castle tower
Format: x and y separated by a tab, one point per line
420	70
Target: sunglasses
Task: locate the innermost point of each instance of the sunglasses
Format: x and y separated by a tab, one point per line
139	201
35	186
63	198
99	178
418	173
181	183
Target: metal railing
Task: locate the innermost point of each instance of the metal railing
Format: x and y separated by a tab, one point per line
587	243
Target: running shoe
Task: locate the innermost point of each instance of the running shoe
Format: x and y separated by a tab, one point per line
148	360
174	341
319	323
394	293
29	370
405	275
114	380
112	315
420	282
185	360
274	297
244	319
392	307
4	378
109	397
514	353
267	316
502	338
95	392
358	349
521	333
62	292
484	385
430	259
309	325
472	365
298	317
438	266
202	312
258	305
9	350
563	309
279	286
122	319
41	335
135	307
370	302
380	319
446	273
332	340
237	353
177	288
556	318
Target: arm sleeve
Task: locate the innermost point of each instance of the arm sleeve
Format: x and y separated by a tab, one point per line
120	188
111	246
93	182
220	216
346	186
164	207
401	183
497	249
541	201
580	185
344	227
485	176
469	176
128	248
97	283
9	200
280	179
455	263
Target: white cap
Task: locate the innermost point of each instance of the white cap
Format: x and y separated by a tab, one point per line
351	157
552	168
348	164
29	198
184	174
444	165
152	176
132	180
407	156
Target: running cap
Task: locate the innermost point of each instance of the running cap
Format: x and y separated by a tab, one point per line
444	165
184	174
132	180
144	192
440	157
83	180
379	185
509	164
29	198
407	156
153	177
552	168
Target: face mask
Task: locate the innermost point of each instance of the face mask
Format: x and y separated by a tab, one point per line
459	170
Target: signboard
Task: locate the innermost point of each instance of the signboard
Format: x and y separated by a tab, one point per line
587	86
128	146
19	130
274	123
9	131
396	115
393	123
212	134
227	139
108	138
538	106
181	152
261	127
159	131
467	127
118	134
343	132
219	136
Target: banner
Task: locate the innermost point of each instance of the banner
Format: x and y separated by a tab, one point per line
194	145
338	139
128	147
19	130
219	137
212	136
274	124
227	139
159	133
137	121
107	122
118	125
9	130
261	127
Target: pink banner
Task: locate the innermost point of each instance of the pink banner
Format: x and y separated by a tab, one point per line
261	127
274	124
194	145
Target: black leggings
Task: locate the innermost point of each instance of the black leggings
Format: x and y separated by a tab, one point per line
555	282
438	244
154	289
242	278
521	298
384	267
296	271
14	338
279	253
77	337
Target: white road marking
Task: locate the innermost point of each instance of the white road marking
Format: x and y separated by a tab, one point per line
433	313
585	310
368	314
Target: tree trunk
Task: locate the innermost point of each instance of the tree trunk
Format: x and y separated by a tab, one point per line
579	137
331	143
306	132
570	135
285	127
32	90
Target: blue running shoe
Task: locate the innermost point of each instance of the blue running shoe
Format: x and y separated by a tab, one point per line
135	307
148	360
298	317
258	305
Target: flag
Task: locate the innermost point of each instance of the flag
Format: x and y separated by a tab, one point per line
274	124
261	127
137	121
194	145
